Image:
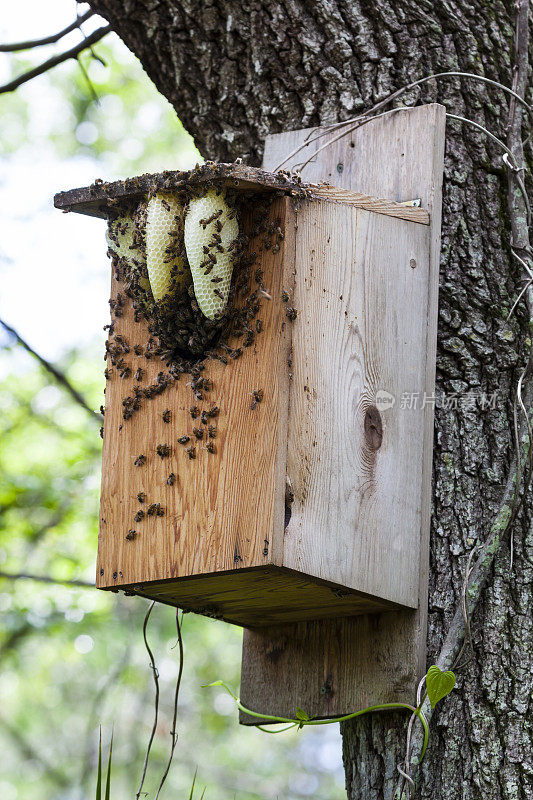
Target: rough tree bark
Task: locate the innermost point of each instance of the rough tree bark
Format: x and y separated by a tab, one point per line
237	71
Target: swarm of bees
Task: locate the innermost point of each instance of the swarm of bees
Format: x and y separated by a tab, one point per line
185	266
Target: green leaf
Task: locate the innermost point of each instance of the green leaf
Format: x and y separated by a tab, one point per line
301	715
439	684
99	773
108	777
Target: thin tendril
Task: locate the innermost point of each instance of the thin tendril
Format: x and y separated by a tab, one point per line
156	682
173	732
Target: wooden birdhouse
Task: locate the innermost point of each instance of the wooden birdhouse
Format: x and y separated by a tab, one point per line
266	467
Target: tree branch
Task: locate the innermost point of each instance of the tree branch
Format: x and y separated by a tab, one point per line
55	37
55	60
14	576
59	376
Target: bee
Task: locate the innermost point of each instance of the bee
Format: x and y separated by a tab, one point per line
138	350
258	326
171	480
194	411
166	415
203	417
184	439
131	535
107	373
285	296
141	497
291	313
140	460
198	432
163	450
249	338
212	431
138	374
101	433
191	452
213	411
139	515
210	447
257	398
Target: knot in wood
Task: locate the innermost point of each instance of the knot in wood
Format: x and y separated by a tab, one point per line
373	428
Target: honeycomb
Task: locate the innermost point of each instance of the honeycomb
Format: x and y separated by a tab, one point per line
121	229
211	279
164	217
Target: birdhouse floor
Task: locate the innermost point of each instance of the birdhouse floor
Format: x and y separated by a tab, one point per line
259	597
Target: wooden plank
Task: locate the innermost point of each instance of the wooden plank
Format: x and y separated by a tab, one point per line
94	199
330	668
225	510
387	207
361	293
259	597
98	199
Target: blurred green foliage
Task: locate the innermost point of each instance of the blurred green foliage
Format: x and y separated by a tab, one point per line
110	111
73	658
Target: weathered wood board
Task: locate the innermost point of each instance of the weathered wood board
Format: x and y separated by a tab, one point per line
361	284
332	667
226	509
97	200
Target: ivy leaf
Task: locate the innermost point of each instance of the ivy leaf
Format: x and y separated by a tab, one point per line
302	716
439	684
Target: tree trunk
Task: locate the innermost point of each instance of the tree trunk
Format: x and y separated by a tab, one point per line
237	71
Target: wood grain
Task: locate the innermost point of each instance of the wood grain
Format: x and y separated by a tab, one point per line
361	291
225	510
332	667
387	207
259	596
